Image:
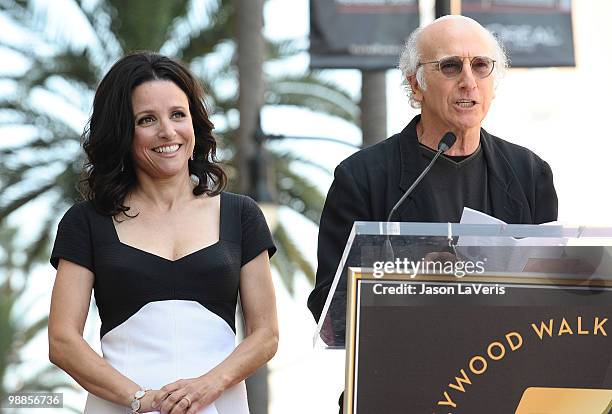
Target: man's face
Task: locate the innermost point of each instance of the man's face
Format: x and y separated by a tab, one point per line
461	103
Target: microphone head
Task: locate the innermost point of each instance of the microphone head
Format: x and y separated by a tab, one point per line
447	141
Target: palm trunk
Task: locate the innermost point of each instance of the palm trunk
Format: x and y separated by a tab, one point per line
443	7
373	106
250	99
251	84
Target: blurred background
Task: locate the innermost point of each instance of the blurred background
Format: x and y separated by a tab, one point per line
282	127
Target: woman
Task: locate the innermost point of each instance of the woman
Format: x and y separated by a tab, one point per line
166	252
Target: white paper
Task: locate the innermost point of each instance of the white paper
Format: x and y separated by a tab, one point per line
516	253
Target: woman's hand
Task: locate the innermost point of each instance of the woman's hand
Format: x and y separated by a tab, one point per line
188	395
146	402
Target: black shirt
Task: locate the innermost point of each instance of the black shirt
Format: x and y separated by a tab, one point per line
127	278
455	182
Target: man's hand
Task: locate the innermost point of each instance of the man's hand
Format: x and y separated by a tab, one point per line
435	257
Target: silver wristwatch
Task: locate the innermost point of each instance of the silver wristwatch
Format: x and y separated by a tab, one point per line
135	404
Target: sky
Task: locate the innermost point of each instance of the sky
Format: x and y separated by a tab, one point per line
561	114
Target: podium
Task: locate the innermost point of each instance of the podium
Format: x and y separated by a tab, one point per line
464	318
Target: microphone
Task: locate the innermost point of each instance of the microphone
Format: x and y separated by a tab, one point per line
447	141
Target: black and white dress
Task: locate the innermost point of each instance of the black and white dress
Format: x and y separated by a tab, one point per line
164	320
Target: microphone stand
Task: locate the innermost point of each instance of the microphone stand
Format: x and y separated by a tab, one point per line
445	144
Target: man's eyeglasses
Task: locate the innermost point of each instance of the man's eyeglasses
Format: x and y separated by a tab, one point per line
452	66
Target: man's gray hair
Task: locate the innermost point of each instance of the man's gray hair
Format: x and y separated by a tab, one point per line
411	57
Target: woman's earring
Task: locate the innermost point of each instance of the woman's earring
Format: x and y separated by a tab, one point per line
191	156
195	179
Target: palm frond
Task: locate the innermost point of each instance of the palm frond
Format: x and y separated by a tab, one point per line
283	265
297	193
312	92
137	33
6	326
47	379
34	329
37	251
294	255
23	200
282	49
220	29
77	67
303	160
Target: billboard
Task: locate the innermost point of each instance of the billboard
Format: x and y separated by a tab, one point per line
360	34
536	33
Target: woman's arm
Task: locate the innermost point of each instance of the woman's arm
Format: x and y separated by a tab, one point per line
69	351
259	346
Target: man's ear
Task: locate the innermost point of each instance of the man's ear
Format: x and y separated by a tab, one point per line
417	93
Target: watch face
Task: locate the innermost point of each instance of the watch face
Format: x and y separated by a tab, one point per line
139	394
135	405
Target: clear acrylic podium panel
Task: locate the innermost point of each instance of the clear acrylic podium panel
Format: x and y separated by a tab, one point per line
554	256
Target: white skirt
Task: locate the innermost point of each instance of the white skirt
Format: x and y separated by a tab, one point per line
166	341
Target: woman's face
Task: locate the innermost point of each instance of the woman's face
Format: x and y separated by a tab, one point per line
163	131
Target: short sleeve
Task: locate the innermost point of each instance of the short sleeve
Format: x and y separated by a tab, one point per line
256	235
73	240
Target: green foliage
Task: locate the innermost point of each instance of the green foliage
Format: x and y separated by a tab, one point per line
311	91
143	24
15	332
135	25
290	256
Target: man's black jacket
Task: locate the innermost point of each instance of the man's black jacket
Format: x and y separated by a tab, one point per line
369	183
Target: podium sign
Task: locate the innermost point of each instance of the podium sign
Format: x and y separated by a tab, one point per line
441	318
436	344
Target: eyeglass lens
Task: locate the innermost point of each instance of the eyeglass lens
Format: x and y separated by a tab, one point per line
452	66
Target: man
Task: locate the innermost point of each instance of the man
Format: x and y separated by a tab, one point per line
450	68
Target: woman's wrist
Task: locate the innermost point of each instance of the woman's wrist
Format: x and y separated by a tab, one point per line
128	394
221	380
146	403
137	399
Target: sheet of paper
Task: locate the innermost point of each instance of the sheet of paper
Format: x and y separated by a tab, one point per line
504	253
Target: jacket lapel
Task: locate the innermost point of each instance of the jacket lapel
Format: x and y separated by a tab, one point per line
508	202
411	161
411	165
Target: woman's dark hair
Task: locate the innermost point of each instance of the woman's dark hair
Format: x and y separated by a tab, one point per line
109	172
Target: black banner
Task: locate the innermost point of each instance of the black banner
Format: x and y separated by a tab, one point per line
536	33
360	34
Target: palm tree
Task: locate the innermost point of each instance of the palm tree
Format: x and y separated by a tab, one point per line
68	71
51	97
